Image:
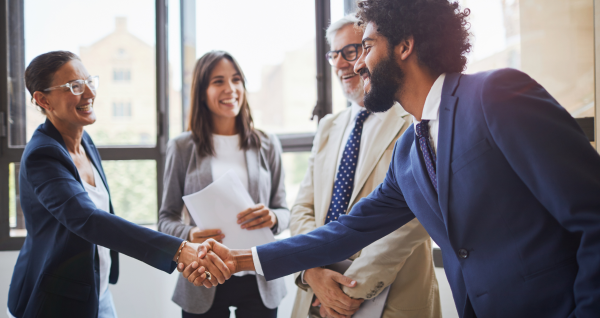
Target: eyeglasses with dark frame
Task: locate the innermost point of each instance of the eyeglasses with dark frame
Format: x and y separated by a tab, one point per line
77	87
349	52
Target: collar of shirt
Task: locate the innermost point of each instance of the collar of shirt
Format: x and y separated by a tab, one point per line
431	109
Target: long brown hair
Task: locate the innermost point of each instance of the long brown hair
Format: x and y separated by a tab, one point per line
200	118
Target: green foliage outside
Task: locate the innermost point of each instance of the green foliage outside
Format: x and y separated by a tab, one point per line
133	189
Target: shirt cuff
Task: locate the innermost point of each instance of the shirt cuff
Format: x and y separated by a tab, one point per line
257	266
302	278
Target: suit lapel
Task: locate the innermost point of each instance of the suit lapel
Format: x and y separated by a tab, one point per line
253	165
329	165
423	180
445	138
389	129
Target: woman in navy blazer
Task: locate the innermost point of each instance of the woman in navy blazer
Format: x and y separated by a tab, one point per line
59	272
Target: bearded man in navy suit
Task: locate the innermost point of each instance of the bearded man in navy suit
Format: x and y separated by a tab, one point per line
498	173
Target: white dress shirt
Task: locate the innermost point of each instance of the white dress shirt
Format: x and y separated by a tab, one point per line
229	156
371	127
99	195
431	112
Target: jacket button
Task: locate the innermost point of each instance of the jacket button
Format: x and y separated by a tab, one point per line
462	253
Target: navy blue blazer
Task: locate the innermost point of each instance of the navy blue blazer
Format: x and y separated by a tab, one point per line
57	272
518	211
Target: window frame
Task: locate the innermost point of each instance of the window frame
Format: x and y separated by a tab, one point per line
15	8
12	46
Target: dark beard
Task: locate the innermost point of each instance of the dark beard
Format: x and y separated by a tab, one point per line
386	79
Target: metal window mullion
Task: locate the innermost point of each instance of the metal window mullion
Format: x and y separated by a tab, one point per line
322	17
162	89
597	71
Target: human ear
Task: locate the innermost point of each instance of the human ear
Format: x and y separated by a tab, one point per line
405	48
42	100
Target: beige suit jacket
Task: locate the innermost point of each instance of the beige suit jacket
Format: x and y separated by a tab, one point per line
402	258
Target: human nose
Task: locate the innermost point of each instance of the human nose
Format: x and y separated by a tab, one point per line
360	63
88	92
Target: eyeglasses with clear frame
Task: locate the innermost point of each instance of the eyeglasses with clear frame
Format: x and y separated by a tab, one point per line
349	52
77	87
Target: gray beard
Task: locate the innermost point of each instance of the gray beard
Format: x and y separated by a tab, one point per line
355	94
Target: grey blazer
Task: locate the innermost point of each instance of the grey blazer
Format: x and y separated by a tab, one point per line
186	173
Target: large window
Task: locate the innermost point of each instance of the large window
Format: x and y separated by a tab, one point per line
551	40
144	52
118	42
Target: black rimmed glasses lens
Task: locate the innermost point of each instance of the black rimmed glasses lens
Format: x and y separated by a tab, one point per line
77	87
349	52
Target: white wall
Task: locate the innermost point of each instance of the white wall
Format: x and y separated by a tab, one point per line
143	291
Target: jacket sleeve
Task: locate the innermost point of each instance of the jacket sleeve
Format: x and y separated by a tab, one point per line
169	216
373	217
50	174
380	262
548	150
277	202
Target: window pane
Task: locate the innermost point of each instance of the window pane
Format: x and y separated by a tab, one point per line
295	165
274	42
550	40
117	43
15	214
132	186
336	9
175	110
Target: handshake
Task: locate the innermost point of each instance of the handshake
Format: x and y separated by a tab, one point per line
212	263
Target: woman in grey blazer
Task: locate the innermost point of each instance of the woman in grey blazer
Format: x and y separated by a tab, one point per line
221	138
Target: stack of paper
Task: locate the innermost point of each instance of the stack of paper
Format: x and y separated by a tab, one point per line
217	207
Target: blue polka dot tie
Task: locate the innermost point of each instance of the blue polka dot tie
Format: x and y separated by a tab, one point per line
422	132
344	180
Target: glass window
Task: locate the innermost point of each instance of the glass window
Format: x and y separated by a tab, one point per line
132	186
295	165
550	40
275	44
117	43
175	98
15	214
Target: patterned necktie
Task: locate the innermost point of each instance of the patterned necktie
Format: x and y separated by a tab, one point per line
422	132
344	180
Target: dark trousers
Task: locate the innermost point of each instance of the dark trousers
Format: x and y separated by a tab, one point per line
240	292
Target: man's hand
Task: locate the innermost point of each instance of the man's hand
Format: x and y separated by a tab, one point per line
190	258
217	253
198	236
260	217
326	285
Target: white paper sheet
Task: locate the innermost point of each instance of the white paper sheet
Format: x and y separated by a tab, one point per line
217	207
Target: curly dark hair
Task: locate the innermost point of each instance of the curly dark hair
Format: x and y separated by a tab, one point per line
439	28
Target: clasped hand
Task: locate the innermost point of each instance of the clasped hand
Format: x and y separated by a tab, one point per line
326	284
213	257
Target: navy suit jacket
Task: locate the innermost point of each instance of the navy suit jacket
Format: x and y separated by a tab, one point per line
518	211
56	274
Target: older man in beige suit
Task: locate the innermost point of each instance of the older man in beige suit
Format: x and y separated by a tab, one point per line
401	260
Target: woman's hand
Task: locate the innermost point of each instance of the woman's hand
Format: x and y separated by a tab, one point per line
258	216
198	236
